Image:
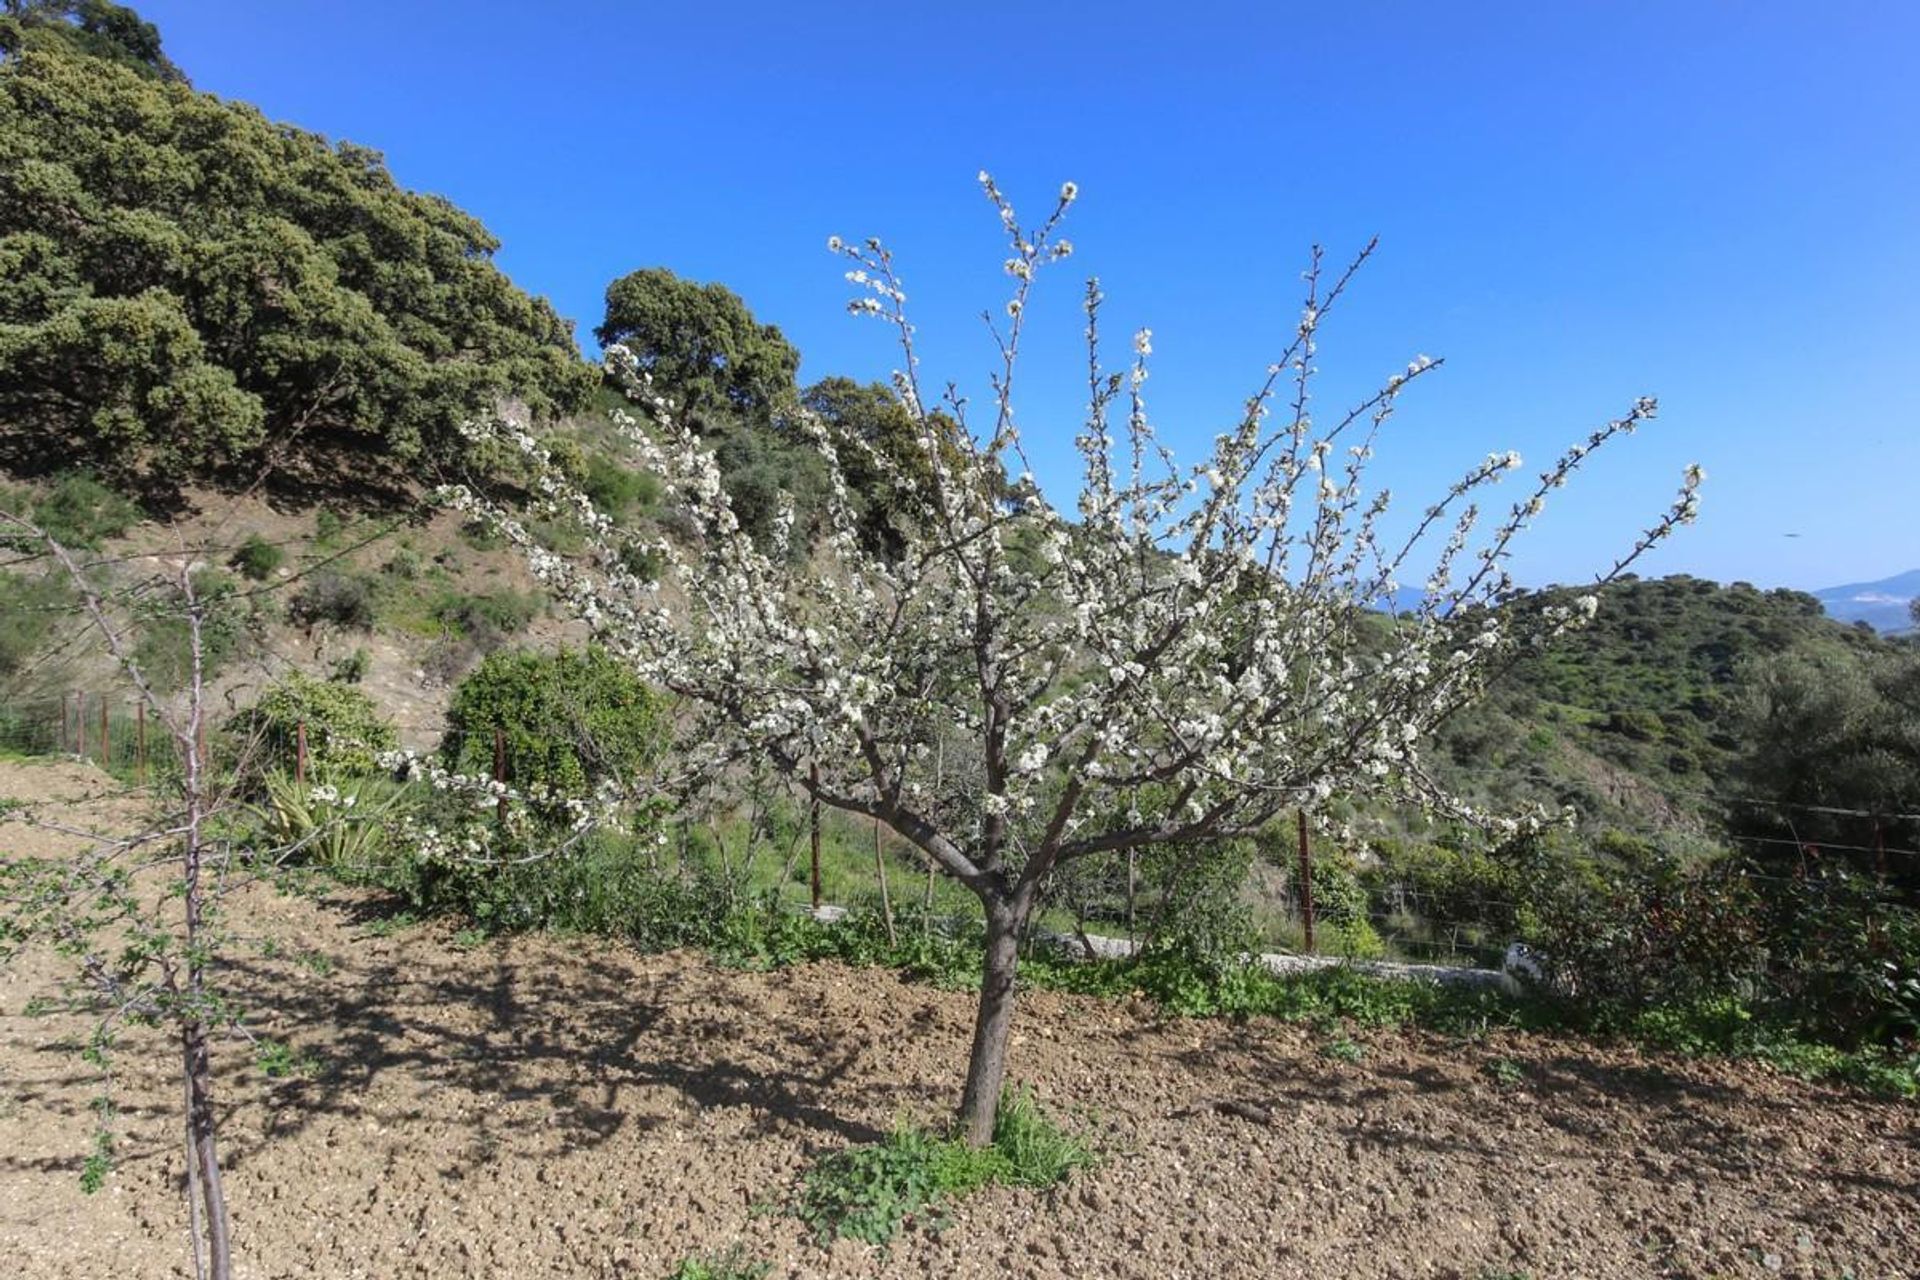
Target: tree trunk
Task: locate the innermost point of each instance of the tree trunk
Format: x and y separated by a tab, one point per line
987	1063
886	898
203	1161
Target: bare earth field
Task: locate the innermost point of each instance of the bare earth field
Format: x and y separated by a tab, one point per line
547	1107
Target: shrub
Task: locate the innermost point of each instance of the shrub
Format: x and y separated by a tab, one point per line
403	564
78	511
612	884
618	490
345	731
571	719
257	559
29	607
490	616
1621	937
351	669
1843	957
344	599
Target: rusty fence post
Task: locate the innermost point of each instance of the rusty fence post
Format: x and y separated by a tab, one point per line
813	829
1306	881
500	771
886	898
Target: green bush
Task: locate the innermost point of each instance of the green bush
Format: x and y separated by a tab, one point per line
351	669
610	884
345	731
487	619
617	490
403	564
571	719
76	510
1621	936
257	559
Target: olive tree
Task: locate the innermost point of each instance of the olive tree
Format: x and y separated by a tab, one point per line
1171	659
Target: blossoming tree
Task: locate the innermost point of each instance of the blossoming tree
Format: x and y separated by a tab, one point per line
1177	658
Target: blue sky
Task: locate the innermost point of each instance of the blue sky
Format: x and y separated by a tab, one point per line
1717	203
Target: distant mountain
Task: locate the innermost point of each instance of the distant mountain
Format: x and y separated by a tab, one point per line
1882	605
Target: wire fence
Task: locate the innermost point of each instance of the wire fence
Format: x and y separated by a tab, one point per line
112	731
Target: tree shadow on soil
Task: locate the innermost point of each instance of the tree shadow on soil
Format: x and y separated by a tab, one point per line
592	1053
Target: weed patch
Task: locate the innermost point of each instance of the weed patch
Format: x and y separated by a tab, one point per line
871	1193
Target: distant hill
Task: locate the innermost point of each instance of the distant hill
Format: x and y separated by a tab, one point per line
1628	720
1882	605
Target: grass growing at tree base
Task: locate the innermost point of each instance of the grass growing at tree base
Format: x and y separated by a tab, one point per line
870	1193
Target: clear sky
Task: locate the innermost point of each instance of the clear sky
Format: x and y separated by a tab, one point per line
1717	203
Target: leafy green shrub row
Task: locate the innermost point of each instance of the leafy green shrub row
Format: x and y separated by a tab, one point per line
613	886
1637	942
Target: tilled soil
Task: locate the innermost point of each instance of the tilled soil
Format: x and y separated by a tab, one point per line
547	1107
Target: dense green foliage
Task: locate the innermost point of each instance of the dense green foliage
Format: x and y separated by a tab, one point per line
699	343
190	292
1834	728
256	560
606	885
888	471
75	510
93	28
569	721
345	730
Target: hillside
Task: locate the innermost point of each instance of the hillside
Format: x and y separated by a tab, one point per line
1630	719
1884	605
